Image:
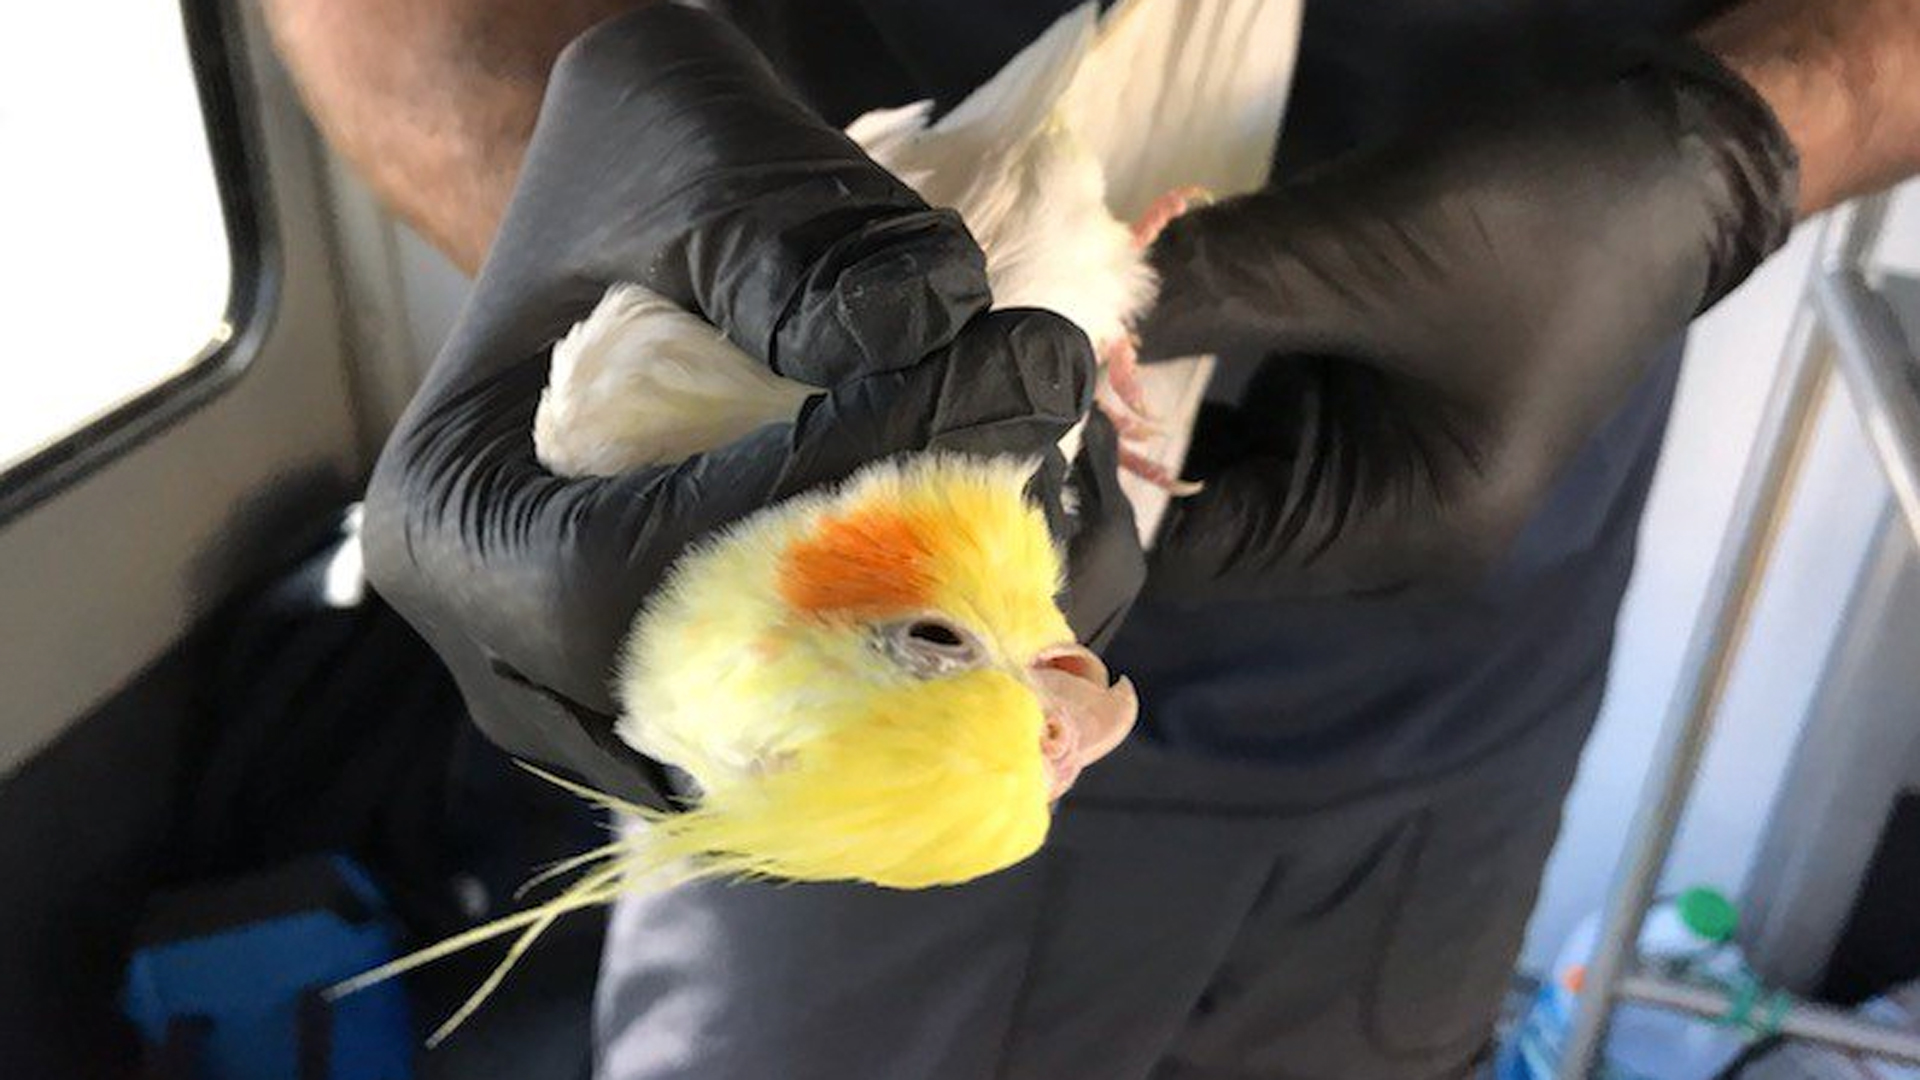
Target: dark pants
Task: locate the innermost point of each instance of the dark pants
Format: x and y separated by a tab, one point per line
1369	942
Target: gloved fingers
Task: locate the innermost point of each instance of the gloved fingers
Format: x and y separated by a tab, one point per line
1433	307
1373	447
1012	384
545	574
1450	319
1283	270
1326	481
1308	271
1262	529
668	153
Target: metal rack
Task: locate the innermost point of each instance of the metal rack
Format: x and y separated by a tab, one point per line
1844	325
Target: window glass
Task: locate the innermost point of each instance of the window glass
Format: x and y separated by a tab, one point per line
114	264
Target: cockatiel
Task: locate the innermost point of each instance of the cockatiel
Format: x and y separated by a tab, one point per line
874	682
870	683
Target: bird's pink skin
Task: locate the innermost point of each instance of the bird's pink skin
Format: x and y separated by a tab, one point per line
1086	717
1122	359
1127	404
1129	427
1161	212
1157	474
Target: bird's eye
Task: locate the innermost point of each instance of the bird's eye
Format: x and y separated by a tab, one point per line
930	646
935	633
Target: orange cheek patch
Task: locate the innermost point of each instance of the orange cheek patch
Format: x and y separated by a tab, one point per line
870	561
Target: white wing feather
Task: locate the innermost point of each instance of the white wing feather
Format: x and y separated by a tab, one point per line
641	381
887	134
1029	188
1184	94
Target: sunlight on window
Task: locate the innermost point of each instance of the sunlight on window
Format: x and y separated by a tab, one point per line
113	252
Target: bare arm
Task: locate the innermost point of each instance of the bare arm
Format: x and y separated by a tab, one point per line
431	101
1843	76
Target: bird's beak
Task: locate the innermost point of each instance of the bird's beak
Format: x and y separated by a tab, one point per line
1087	715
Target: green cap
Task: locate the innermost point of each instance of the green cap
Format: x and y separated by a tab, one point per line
1708	913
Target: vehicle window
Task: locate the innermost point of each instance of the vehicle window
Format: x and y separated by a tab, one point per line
114	259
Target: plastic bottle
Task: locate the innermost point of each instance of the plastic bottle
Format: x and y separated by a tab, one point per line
1688	936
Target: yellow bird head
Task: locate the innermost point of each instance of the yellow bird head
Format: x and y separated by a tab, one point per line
868	684
873	683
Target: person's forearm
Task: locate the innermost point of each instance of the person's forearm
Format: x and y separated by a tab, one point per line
431	101
1843	76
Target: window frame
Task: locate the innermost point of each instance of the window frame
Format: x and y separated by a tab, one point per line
216	53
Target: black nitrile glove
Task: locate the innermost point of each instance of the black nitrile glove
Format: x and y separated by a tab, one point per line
668	154
1447	322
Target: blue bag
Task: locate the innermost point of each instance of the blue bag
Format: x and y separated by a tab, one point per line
225	982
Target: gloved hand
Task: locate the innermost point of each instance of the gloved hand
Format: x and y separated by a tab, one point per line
1449	320
668	154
